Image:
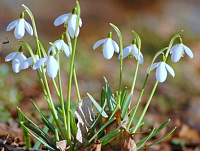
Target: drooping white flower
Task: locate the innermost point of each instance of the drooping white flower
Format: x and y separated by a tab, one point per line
69	20
60	45
20	25
161	71
18	60
131	51
29	61
178	51
109	46
50	63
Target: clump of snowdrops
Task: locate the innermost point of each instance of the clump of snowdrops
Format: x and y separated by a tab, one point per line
112	127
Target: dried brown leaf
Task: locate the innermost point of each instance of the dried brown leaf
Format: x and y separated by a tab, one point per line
62	145
85	116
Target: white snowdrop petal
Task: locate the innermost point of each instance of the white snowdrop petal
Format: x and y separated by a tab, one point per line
65	48
80	22
141	58
108	49
170	70
28	28
71	32
115	46
27	63
20	29
61	19
39	63
173	48
10	56
16	66
12	25
161	72
52	67
134	49
98	43
177	53
188	51
154	65
126	52
72	26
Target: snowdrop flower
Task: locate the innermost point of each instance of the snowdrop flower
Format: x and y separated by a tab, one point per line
109	46
131	51
30	61
18	60
69	21
161	71
20	25
50	63
60	45
179	50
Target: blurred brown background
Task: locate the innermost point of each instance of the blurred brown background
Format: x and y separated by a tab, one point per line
155	21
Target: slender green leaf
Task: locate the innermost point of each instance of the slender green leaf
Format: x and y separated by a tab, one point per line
42	135
134	127
123	97
73	124
99	108
153	134
101	129
25	132
111	138
102	103
141	142
158	141
39	139
103	97
110	99
45	129
40	132
126	105
108	135
44	119
161	127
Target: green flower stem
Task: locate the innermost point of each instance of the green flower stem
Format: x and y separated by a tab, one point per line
135	76
56	88
61	96
74	71
51	106
143	87
138	60
76	85
146	107
34	27
171	43
154	88
70	75
121	58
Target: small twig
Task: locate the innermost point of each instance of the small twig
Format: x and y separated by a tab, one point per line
6	42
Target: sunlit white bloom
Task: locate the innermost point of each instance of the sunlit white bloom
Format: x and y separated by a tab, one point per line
50	63
69	20
60	45
178	51
29	61
20	25
109	46
131	51
161	71
18	60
